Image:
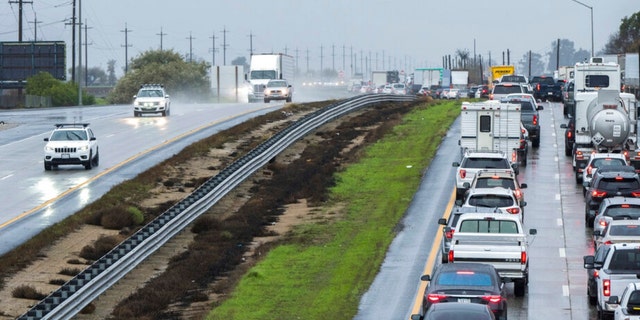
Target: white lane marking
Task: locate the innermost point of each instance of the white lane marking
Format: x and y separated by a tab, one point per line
562	252
558	197
559	222
565	290
555	158
7	176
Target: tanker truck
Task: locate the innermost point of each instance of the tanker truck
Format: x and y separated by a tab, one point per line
605	118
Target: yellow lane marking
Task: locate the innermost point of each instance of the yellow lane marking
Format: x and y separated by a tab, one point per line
121	164
435	249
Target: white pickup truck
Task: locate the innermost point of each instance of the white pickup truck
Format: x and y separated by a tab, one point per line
620	266
497	239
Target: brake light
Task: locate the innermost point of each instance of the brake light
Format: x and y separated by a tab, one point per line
517	193
450	255
635	194
598	193
491	96
625	206
513	210
535	120
435	298
449	234
463	173
579	155
492	298
538	87
619	178
588	170
606	287
608	242
569	134
596	273
603	222
523	257
514	156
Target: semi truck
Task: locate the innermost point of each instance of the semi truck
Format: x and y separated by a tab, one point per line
605	118
459	79
267	66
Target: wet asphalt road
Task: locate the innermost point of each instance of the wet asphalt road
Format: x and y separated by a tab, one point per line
555	207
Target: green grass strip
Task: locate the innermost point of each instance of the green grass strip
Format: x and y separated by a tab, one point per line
326	267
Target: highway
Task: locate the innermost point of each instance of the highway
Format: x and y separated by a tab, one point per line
128	145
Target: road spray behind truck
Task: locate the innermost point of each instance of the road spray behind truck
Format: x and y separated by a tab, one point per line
267	66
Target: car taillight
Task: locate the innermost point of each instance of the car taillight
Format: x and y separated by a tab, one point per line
596	273
579	155
492	298
523	257
514	156
603	222
435	298
450	256
569	134
449	234
608	242
535	120
635	194
518	194
463	173
598	193
606	287
588	170
491	96
513	210
538	87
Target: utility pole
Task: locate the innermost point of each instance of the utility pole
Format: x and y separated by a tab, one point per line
307	61
190	38
251	43
224	46
20	3
321	61
73	42
86	54
126	47
213	49
161	34
343	59
35	27
333	57
79	52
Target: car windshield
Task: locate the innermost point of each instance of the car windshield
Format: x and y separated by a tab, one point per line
150	93
624	230
489	226
464	278
398	86
618	185
490	200
524	105
507	89
622	211
69	135
273	84
495	182
597	163
625	260
485	163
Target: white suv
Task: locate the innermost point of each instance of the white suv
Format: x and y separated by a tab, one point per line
151	98
496	198
472	162
71	143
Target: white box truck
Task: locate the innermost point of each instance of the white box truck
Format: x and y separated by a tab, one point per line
268	66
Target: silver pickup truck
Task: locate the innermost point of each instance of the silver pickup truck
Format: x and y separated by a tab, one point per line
497	239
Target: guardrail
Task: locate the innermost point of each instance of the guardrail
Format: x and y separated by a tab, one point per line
85	287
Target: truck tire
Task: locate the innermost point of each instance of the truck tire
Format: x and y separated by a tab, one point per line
289	99
535	142
567	151
47	166
593	300
266	100
519	287
89	164
578	178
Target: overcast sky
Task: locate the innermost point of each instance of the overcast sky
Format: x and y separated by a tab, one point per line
409	33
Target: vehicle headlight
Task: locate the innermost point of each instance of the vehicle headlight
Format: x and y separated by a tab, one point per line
285	91
83	148
266	92
49	148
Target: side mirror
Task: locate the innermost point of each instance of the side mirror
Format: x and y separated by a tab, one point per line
46	139
540	107
135	96
588	261
563	125
613	300
166	96
442	221
425	277
458	203
416	317
524	204
466	185
523	186
533	232
456	164
597	233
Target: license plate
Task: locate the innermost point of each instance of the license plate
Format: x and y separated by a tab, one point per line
464	300
65	156
549	93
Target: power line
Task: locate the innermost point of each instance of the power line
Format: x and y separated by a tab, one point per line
161	34
20	3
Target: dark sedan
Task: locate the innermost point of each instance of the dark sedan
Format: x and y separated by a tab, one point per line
466	283
457	311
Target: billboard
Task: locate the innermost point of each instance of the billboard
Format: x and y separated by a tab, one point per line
21	60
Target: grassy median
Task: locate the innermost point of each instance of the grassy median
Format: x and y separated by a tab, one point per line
322	270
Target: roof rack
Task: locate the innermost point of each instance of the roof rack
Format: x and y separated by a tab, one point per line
151	85
61	125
